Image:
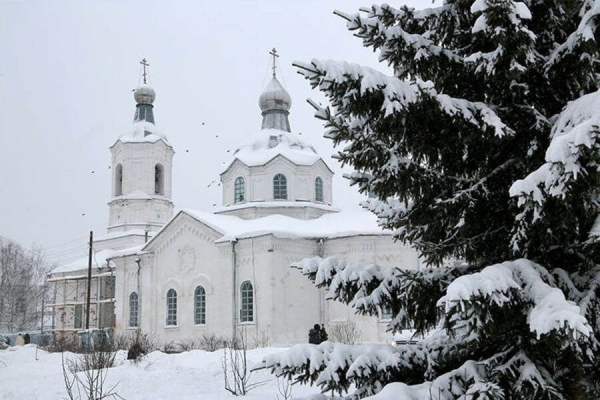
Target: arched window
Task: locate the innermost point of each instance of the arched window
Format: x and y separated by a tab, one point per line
280	187
133	309
319	189
247	310
171	307
386	313
119	180
199	306
239	189
159	179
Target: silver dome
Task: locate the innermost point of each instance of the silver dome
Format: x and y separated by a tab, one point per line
144	94
275	97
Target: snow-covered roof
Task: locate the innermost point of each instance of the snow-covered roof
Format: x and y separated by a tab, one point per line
269	143
115	235
342	224
275	204
143	132
98	259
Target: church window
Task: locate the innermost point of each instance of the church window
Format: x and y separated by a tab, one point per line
78	323
319	189
119	180
239	189
247	310
133	309
171	307
200	306
280	187
386	313
159	179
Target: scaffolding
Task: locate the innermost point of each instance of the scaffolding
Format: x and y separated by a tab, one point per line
68	306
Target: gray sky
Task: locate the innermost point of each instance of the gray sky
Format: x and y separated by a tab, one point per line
67	71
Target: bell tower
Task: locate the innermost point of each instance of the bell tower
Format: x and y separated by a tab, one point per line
142	161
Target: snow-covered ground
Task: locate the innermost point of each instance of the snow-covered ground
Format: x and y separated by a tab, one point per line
194	375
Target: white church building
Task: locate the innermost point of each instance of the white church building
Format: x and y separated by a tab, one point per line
196	273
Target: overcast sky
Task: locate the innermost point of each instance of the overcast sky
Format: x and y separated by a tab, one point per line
67	71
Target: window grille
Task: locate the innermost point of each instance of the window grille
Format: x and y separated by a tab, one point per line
319	189
279	187
133	309
247	310
239	189
171	307
200	306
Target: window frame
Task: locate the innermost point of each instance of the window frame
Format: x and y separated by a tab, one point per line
246	302
200	306
133	321
159	179
386	313
280	191
119	180
319	198
239	190
171	303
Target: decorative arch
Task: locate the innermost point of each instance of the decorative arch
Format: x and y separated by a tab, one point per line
171	307
159	179
199	306
119	180
280	187
319	189
247	302
239	189
133	309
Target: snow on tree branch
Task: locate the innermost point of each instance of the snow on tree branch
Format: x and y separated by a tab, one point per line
398	94
550	310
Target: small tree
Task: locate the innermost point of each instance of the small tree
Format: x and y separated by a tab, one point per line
347	332
85	374
236	372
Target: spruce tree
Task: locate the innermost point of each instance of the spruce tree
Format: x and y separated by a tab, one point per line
483	149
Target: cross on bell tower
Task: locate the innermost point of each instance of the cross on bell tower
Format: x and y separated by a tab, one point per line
275	55
145	64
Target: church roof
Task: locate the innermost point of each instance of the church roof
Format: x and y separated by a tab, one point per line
329	226
98	260
269	143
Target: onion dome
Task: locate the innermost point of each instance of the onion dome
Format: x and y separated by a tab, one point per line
144	96
275	103
275	97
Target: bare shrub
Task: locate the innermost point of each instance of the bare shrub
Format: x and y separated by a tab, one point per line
211	342
262	339
188	344
236	373
85	374
146	341
171	348
284	387
347	332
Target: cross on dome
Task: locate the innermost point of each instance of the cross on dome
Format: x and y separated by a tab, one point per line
145	64
275	55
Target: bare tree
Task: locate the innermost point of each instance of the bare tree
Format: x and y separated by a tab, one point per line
236	372
22	277
347	332
85	374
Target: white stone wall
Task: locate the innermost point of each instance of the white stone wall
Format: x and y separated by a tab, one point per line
259	181
138	206
286	304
